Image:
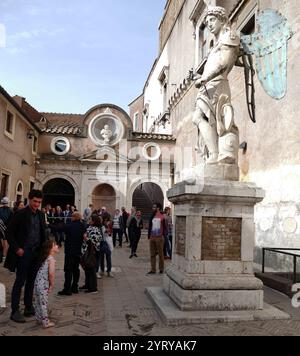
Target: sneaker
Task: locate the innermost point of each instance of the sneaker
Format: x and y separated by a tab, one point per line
131	256
151	272
17	317
135	255
99	276
109	275
64	293
29	312
49	325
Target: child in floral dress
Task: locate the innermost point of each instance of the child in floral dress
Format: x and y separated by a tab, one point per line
44	284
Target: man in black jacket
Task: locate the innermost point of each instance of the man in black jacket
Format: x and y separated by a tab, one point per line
74	239
26	235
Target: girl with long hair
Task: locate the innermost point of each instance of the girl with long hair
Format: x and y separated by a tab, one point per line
44	283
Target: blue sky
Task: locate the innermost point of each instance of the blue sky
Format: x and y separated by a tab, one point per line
70	55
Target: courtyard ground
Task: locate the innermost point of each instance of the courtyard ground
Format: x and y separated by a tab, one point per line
121	308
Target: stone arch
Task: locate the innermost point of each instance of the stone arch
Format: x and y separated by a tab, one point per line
104	194
41	183
164	188
19	191
58	192
110	106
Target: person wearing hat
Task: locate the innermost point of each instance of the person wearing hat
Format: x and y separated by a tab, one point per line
5	218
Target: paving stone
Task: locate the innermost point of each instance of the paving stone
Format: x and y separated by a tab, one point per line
121	308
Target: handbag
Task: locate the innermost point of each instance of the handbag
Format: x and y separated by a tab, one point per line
88	260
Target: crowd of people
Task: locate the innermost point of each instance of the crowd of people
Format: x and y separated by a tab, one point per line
30	238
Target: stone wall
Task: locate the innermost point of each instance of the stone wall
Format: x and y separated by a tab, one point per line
273	154
137	106
172	11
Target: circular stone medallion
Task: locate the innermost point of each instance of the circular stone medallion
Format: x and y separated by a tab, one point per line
106	130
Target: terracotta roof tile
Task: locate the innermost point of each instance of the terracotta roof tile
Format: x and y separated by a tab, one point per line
58	118
64	128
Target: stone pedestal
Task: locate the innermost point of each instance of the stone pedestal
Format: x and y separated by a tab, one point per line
212	265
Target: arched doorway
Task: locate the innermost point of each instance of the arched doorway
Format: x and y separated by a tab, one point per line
58	192
145	196
104	195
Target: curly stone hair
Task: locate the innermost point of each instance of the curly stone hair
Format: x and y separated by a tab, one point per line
217	11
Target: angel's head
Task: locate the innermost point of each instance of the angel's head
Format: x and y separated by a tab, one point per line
215	19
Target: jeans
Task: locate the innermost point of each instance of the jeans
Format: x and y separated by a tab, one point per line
118	232
107	254
167	247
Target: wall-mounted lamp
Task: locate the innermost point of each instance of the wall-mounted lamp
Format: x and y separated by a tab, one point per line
30	134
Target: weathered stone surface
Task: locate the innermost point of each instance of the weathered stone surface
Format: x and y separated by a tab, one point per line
226	172
180	238
213	282
216	272
220	300
216	191
170	314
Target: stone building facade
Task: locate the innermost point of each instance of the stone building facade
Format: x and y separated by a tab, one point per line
19	136
78	159
96	169
269	155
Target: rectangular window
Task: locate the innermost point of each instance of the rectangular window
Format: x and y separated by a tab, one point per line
34	144
249	27
4	185
136	122
204	43
9	123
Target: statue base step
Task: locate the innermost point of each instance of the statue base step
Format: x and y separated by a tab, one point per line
173	316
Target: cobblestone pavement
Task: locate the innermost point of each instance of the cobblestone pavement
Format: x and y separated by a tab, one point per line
122	309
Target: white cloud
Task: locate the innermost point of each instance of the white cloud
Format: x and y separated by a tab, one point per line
20	37
15	50
22	42
90	45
